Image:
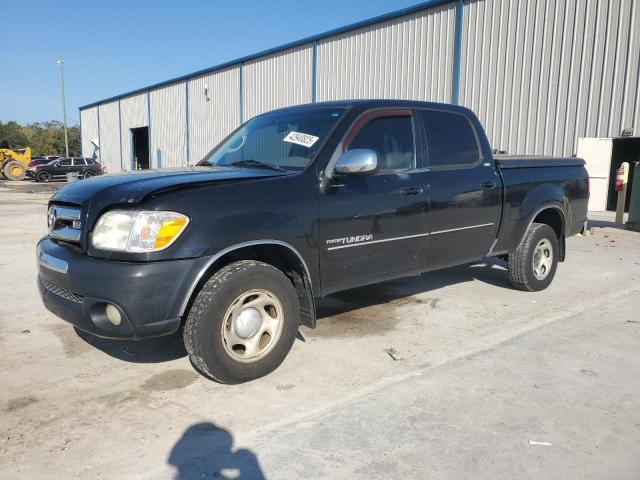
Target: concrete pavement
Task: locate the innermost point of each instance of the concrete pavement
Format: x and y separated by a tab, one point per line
446	375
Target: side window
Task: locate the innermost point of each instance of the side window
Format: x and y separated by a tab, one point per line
451	141
65	163
392	138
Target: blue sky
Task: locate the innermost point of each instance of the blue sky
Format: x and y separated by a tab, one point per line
112	46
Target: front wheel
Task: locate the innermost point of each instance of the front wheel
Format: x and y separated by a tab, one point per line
533	264
14	170
43	177
243	322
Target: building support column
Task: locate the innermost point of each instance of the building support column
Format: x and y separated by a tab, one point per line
457	53
241	94
120	132
314	73
186	120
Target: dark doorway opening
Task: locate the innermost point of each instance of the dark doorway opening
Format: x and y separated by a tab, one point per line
625	149
140	148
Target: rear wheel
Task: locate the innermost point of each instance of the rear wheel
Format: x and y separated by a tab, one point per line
43	177
89	174
242	323
533	264
14	170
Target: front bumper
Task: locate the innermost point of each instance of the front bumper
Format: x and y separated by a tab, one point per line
77	288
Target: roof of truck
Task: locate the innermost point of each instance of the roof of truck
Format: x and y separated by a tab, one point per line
376	103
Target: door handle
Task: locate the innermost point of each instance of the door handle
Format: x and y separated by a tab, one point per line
488	185
410	191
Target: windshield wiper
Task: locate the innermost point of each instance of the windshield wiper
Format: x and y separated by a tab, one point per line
257	164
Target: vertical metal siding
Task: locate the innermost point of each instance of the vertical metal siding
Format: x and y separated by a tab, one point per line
89	122
133	113
110	137
213	119
409	57
167	136
278	80
541	73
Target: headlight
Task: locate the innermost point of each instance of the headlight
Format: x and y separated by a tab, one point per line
137	230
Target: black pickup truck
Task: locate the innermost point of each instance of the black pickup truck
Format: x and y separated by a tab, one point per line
294	205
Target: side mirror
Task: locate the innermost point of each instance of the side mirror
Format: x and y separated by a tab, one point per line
359	161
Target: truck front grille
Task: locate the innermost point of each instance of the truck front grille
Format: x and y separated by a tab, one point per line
61	292
64	223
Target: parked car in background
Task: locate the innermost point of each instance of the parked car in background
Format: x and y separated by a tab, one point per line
35	161
41	160
85	167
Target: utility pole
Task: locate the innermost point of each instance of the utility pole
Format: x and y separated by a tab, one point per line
60	63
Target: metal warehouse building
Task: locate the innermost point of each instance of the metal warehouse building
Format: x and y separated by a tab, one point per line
540	74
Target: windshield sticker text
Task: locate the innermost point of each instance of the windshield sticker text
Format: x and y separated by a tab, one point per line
303	139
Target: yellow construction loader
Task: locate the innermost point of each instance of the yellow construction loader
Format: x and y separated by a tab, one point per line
14	163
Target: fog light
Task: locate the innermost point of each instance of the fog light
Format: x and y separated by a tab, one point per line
113	315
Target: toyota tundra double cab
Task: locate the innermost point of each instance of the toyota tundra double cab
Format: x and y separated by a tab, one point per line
294	205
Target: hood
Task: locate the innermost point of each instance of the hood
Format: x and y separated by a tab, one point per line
132	187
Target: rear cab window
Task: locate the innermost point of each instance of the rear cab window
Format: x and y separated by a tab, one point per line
451	140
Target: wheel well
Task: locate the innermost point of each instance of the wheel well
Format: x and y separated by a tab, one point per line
555	219
278	256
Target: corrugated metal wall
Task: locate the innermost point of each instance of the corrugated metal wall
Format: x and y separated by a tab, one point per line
541	73
110	137
134	113
409	57
212	114
168	126
89	122
278	80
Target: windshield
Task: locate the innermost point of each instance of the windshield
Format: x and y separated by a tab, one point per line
287	140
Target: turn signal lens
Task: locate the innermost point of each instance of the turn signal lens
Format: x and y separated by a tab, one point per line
170	230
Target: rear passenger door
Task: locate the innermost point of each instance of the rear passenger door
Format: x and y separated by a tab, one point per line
79	166
464	190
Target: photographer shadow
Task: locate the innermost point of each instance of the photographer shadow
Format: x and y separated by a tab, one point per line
206	451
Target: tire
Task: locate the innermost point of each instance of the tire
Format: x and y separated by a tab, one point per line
533	264
43	177
14	170
213	331
89	174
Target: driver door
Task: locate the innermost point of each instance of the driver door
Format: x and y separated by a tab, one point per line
61	168
373	227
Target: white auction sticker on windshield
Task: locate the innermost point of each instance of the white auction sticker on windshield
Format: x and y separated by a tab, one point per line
303	139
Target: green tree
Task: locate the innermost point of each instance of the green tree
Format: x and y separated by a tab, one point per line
12	133
44	138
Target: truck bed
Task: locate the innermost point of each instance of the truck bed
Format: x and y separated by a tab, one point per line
533	182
